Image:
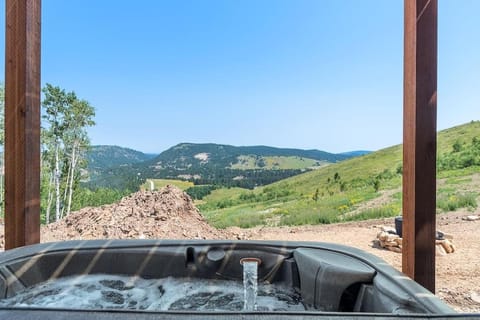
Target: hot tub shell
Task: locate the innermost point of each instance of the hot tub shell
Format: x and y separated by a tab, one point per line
333	280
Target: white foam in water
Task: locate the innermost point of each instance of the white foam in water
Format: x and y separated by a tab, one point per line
122	292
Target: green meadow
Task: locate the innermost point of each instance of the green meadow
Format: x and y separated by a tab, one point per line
160	183
247	162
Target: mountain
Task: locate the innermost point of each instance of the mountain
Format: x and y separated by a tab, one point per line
359	188
220	165
228	165
101	157
187	155
356	153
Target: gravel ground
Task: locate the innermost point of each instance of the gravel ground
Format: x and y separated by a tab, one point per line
457	274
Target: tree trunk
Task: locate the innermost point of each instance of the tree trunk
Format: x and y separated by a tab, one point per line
65	193
50	199
72	176
57	183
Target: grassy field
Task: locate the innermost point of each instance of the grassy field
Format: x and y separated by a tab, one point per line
354	189
277	163
160	183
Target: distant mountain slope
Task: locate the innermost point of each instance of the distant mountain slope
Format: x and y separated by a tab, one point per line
102	156
356	153
234	166
187	155
215	164
340	192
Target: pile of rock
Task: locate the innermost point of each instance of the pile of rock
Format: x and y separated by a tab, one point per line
165	214
388	239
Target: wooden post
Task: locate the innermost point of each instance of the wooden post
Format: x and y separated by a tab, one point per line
22	123
420	141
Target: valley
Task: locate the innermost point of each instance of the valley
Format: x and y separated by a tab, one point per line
254	186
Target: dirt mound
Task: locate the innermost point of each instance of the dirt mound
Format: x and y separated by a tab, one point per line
165	214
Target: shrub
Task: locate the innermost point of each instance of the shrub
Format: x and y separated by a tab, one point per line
200	191
375	213
452	202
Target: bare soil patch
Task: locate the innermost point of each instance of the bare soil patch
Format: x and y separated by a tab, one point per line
384	199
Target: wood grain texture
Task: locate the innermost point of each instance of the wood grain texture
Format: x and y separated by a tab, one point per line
420	141
22	123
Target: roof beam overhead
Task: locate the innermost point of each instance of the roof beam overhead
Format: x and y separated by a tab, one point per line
22	123
420	140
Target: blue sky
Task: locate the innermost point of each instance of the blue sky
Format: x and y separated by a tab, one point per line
316	74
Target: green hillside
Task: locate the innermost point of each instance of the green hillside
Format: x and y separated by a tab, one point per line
111	167
360	188
246	162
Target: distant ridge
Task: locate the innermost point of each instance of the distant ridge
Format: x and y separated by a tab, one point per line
222	152
207	164
227	165
105	156
356	153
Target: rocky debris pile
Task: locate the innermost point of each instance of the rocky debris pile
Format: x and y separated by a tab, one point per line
165	214
388	239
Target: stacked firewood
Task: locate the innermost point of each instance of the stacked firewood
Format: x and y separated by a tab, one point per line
445	246
388	239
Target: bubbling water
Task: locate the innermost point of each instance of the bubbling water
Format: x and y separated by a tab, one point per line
123	292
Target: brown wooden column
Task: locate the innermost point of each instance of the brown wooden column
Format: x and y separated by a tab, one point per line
22	123
420	141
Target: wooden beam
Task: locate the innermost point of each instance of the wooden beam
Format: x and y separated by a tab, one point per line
22	123
420	140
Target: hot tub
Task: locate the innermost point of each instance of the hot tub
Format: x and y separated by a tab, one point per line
317	279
